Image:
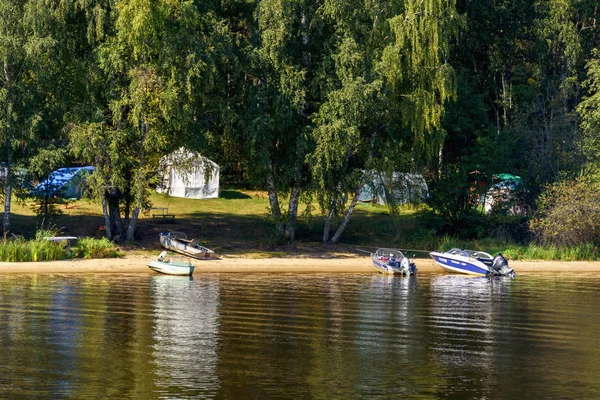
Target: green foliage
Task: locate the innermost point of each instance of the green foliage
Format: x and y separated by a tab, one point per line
532	251
20	250
95	248
568	213
589	110
584	252
301	97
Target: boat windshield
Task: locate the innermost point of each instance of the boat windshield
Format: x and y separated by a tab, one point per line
470	253
458	252
390	253
480	254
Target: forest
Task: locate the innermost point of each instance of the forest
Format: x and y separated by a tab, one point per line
309	101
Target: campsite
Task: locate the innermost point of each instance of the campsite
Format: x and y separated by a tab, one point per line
236	223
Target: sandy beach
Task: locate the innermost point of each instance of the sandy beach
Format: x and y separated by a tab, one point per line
138	264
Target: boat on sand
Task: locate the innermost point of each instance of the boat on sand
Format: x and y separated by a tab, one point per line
472	262
178	242
392	262
167	265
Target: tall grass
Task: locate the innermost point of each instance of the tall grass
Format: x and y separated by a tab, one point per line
21	250
586	252
95	248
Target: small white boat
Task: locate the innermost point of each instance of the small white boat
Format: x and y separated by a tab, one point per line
392	262
170	266
472	262
178	242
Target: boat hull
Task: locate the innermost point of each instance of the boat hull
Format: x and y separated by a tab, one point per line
459	266
392	262
172	268
388	269
186	247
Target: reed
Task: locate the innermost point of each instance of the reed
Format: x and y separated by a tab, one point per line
532	251
20	250
96	248
585	252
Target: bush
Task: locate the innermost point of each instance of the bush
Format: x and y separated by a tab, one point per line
568	214
95	248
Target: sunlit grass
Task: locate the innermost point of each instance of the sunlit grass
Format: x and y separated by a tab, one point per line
95	248
238	223
20	250
587	252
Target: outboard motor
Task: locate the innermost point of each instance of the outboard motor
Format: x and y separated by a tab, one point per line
162	256
500	266
409	268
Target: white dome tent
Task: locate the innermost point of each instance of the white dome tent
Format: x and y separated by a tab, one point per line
189	174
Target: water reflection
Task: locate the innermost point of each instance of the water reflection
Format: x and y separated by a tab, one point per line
467	328
299	336
186	334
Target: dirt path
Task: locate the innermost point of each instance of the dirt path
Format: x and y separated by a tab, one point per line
137	264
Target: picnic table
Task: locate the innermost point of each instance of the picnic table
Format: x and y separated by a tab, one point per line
162	214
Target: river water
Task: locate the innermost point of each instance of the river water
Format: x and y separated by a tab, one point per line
299	336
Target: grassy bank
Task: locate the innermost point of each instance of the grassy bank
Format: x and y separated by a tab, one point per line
238	223
524	252
19	249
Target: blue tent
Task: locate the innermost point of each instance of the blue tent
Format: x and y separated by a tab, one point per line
64	182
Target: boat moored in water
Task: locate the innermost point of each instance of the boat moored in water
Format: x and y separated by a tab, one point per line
170	266
472	262
392	262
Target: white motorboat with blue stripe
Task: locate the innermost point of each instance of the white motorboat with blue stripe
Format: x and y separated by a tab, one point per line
472	262
392	262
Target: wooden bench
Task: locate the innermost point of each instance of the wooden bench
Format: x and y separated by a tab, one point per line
162	215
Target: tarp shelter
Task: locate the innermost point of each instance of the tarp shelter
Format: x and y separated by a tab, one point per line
503	194
68	183
406	188
190	175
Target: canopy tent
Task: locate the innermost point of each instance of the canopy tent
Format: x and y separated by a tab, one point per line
68	183
406	188
190	175
502	195
507	177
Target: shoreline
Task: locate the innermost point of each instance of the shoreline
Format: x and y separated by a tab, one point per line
138	264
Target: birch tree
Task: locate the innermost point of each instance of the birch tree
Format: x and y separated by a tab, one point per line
149	73
33	45
393	81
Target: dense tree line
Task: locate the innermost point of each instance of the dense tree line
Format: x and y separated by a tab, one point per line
306	99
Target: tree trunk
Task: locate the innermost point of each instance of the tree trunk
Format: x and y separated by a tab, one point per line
274	202
130	233
8	187
7	190
115	217
331	213
290	228
344	222
7	203
107	224
342	226
327	227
